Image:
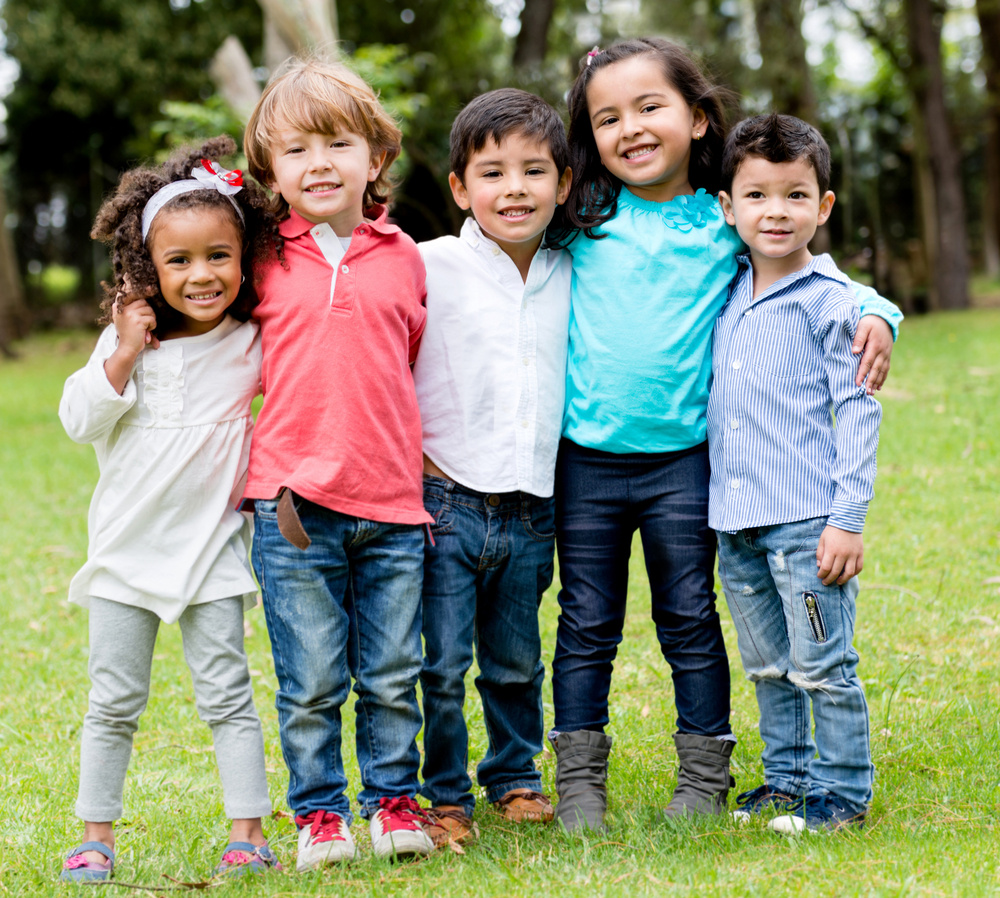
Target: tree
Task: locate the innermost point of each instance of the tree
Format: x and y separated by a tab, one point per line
988	12
93	76
785	73
12	312
936	149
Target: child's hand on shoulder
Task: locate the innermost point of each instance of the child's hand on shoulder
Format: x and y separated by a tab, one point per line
839	556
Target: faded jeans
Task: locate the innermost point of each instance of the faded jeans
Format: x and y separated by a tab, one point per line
346	608
795	640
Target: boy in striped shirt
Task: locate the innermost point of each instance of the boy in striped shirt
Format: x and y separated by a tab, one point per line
789	488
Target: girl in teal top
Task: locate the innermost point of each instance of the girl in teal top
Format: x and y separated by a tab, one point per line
652	262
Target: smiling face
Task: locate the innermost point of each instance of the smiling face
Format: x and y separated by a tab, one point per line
512	189
776	208
643	127
323	176
196	252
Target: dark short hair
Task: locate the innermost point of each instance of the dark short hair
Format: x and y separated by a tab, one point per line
500	113
776	138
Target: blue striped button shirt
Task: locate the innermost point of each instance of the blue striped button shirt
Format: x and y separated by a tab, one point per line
790	436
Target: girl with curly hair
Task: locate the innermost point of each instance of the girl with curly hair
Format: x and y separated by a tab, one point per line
165	401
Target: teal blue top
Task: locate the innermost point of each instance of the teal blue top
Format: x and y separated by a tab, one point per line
645	300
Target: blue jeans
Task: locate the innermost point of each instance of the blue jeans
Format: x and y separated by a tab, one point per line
601	500
348	607
483	583
795	640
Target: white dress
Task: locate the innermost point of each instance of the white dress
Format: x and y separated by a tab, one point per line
164	532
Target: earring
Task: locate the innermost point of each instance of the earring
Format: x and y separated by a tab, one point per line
697	135
243	279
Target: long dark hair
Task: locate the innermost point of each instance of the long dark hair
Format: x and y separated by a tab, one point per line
593	197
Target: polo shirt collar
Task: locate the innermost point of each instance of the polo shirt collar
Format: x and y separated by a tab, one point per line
295	225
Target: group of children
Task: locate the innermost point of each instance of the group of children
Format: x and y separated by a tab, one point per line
439	419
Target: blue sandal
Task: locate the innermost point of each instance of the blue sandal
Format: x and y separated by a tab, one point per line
78	869
241	858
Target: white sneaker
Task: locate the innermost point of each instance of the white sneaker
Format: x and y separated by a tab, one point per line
397	829
323	839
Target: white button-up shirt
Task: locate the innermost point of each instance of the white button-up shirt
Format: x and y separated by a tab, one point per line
491	372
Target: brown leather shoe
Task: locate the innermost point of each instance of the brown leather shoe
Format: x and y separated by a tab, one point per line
450	823
525	806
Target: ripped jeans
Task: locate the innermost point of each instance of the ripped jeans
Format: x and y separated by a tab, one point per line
795	641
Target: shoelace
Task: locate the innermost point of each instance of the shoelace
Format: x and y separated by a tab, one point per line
403	813
323	827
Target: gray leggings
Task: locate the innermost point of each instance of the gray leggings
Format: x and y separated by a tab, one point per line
121	657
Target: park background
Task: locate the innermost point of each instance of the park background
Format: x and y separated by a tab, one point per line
908	94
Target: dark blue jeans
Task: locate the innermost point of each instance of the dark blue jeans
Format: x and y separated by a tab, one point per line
347	608
601	500
483	583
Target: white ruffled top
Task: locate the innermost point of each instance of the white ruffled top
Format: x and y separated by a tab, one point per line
172	450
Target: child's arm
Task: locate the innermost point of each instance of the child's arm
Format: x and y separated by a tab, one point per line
840	554
134	324
876	332
95	397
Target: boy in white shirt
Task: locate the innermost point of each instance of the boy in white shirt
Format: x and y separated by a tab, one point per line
490	381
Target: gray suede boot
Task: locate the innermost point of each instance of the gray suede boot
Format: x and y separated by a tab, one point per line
581	778
703	780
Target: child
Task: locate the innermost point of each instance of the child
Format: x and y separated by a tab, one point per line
165	400
650	274
335	468
490	378
790	543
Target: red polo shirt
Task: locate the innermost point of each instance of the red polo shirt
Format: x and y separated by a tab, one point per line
340	424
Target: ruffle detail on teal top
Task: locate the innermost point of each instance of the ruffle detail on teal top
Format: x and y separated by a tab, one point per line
684	213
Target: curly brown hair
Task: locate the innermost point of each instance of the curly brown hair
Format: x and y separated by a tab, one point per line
119	224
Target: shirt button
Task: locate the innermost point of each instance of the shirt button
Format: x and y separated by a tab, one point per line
496	250
747	313
734	483
344	269
734	424
524	422
362	231
737	363
525	362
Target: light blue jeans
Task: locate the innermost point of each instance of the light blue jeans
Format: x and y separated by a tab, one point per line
346	608
795	641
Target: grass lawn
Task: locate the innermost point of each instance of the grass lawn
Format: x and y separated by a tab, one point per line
928	627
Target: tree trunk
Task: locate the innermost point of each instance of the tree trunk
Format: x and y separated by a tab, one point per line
12	308
925	79
232	72
989	30
307	26
786	72
533	39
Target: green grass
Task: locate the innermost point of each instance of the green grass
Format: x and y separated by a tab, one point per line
928	628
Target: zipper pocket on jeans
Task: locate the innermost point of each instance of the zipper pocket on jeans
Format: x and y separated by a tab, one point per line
815	618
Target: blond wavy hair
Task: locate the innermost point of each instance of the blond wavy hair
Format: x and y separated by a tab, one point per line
320	96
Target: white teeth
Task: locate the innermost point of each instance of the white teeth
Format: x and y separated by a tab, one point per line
635	154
